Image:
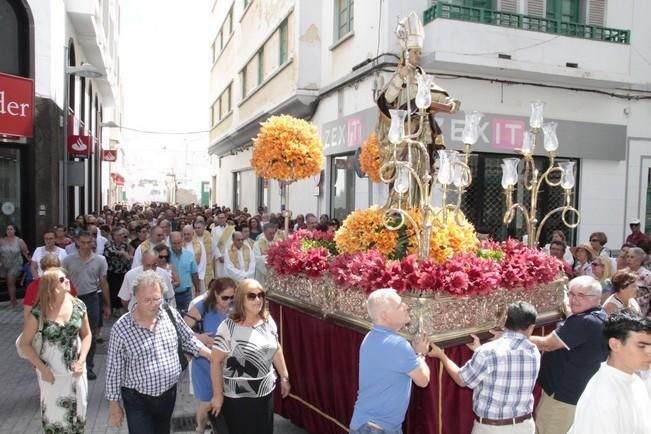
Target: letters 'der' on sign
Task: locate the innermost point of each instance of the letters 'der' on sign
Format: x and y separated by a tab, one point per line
16	106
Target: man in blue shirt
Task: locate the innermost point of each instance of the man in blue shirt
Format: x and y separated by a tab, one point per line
502	374
387	366
572	355
188	272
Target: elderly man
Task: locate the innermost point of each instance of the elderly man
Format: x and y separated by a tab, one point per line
204	237
509	363
187	271
194	246
634	259
156	236
260	248
143	365
572	354
239	261
387	367
149	260
310	222
221	234
167	230
637	237
615	399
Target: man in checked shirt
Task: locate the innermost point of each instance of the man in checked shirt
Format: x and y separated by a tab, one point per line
502	374
143	364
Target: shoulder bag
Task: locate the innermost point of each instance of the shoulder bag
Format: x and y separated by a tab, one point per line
37	341
179	348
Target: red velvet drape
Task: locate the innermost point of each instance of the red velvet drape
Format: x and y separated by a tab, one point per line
323	362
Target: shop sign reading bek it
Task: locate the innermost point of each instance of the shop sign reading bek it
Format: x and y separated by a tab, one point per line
16	106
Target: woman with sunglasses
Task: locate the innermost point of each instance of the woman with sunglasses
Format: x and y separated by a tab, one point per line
244	354
163	262
601	267
204	317
60	365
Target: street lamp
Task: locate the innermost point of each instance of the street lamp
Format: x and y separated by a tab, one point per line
85	70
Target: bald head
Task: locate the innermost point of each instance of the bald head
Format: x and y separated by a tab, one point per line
176	240
187	232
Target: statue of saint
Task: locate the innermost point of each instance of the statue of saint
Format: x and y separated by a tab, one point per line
400	93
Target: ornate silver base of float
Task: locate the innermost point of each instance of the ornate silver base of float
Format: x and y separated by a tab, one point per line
446	319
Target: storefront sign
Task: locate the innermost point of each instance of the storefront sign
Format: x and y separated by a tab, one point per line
110	155
498	133
16	105
80	146
117	179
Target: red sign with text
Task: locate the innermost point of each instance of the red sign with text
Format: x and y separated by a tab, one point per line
80	146
110	155
16	105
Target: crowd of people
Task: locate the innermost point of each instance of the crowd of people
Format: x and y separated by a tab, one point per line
206	263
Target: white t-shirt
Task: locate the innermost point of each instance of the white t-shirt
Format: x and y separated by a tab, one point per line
42	252
613	402
126	290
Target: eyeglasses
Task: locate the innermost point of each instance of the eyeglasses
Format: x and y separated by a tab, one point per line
594	241
597	264
152	301
579	295
165	257
230	297
253	295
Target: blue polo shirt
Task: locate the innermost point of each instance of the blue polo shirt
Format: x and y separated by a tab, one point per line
564	373
185	266
385	359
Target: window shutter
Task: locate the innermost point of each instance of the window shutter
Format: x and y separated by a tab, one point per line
596	12
536	8
508	6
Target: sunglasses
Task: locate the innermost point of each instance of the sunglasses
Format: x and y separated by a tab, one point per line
597	264
163	257
253	295
227	297
62	279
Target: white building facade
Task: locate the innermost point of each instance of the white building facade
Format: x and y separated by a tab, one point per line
587	59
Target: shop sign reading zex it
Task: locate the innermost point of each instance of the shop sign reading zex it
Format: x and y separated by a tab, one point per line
16	106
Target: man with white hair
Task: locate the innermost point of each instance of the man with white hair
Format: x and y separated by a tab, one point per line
572	354
260	249
239	261
156	236
387	366
149	259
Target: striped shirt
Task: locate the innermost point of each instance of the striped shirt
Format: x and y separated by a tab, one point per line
502	374
146	360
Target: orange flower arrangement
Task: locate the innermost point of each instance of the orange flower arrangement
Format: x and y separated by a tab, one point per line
370	158
363	230
287	149
447	238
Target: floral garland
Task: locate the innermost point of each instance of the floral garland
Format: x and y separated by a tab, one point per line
370	158
287	149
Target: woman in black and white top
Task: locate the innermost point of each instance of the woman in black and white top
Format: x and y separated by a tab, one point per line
244	354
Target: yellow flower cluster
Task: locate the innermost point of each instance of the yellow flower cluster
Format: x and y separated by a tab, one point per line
447	238
363	230
370	159
287	149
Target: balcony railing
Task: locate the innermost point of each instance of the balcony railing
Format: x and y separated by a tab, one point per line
525	22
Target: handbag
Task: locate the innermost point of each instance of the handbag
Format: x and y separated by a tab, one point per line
37	340
179	348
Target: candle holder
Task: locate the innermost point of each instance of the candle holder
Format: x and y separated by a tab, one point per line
533	179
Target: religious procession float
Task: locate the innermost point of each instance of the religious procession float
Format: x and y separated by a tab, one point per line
418	242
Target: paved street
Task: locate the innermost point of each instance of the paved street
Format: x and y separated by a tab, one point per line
19	407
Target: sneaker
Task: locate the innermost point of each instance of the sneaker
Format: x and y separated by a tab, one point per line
91	375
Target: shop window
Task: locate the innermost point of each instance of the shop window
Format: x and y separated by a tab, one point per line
484	204
342	185
10	187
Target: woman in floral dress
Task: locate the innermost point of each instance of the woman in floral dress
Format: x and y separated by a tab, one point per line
60	364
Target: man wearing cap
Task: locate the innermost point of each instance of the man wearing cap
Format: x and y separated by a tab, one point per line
637	237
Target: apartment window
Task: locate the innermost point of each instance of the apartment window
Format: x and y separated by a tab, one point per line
229	20
227	99
566	11
243	80
260	65
283	43
343	18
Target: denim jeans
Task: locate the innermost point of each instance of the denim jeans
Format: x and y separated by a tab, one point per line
368	429
149	414
93	311
183	300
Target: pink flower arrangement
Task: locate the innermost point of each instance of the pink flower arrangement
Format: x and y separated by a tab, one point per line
523	267
303	252
365	270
